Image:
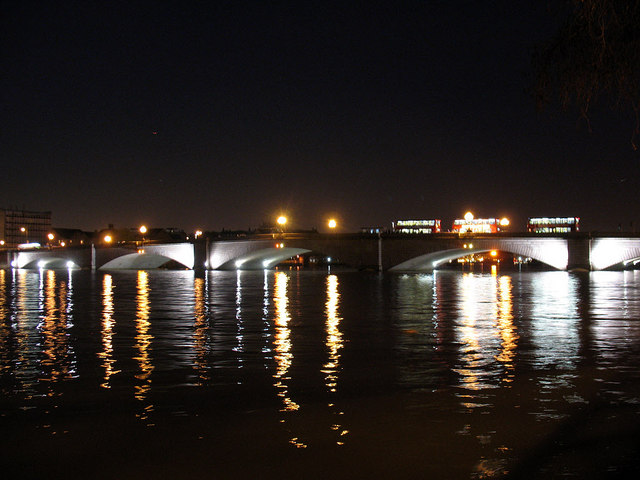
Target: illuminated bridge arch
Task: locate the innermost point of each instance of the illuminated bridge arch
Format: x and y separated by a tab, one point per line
551	251
263	258
251	254
153	256
48	262
607	252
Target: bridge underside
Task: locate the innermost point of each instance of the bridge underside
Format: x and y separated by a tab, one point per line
138	262
397	253
264	258
50	263
551	251
431	261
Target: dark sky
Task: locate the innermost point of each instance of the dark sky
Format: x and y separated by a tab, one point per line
221	114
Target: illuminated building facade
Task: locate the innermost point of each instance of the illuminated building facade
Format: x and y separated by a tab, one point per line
416	226
469	224
22	226
553	224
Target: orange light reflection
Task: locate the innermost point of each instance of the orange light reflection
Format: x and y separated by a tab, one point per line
108	362
334	343
143	343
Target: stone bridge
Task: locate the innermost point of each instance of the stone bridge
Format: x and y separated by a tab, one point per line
391	252
118	257
396	252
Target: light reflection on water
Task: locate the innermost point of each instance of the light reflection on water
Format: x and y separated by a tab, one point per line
457	357
57	362
200	335
108	362
143	340
334	342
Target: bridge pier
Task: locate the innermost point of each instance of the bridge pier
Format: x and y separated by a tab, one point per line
201	254
579	253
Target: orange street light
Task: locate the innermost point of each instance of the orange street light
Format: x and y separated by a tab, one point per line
332	223
108	239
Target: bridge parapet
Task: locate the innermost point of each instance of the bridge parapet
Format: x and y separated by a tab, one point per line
396	252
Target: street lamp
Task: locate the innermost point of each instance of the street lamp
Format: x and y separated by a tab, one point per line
24	230
282	221
143	230
332	224
108	239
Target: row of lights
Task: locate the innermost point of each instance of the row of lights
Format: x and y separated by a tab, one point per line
143	230
281	220
331	223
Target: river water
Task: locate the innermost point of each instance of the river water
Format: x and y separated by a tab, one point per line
299	374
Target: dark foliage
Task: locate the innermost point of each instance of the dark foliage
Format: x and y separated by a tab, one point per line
595	55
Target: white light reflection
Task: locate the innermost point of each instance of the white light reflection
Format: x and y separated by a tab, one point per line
334	343
555	323
108	362
266	326
5	329
615	310
239	348
555	319
478	337
143	344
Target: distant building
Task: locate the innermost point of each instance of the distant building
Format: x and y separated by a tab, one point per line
553	224
19	227
416	226
69	237
113	236
371	230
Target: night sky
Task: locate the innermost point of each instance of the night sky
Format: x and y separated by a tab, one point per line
223	114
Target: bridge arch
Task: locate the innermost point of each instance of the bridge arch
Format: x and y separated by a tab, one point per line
607	252
550	251
52	263
153	256
51	259
136	261
264	258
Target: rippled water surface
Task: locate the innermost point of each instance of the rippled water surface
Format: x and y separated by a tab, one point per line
168	374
